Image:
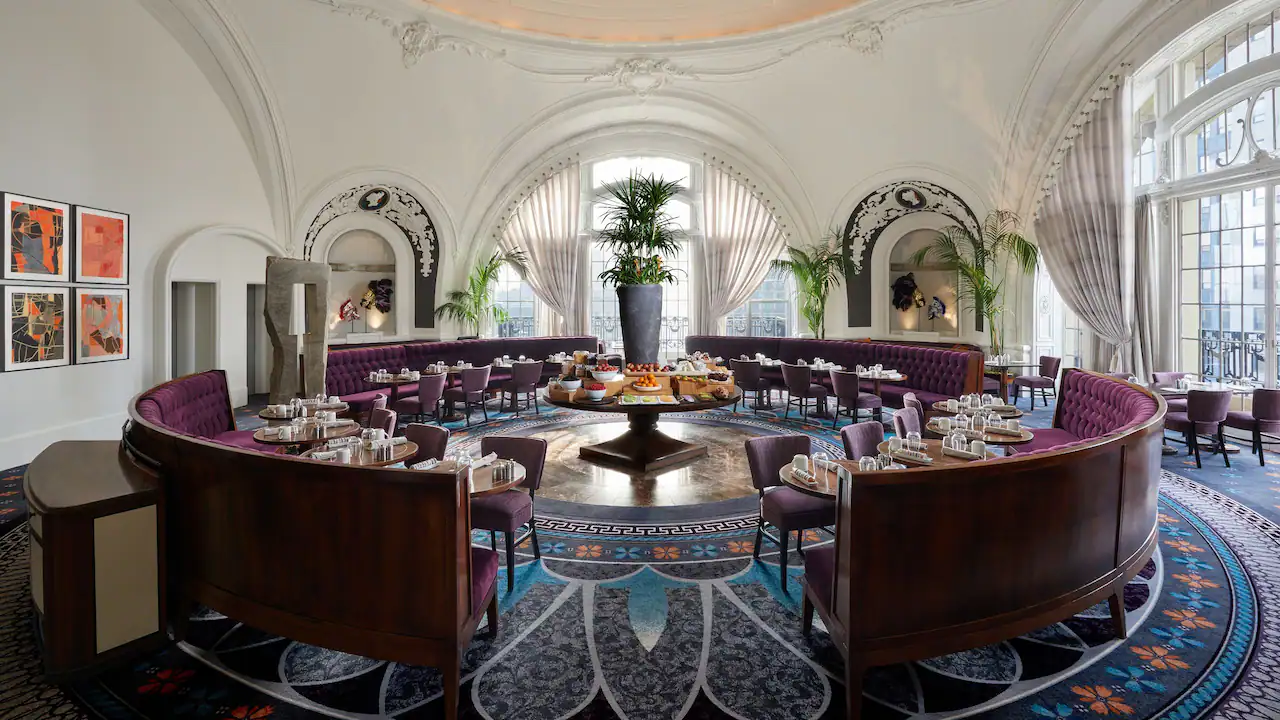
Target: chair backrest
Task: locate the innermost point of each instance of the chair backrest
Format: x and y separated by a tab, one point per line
1049	366
383	418
430	439
905	421
844	384
529	452
1208	405
1167	379
798	378
476	379
1266	404
909	400
861	439
431	389
767	455
524	374
746	373
379	402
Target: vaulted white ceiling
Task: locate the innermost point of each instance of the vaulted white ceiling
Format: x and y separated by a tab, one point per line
640	20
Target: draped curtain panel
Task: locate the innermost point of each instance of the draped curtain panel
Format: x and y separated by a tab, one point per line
545	227
1152	350
1083	234
741	239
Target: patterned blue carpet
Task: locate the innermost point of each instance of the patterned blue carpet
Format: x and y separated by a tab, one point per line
671	619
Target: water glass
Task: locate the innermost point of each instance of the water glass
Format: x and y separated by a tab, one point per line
978	448
821	461
883	461
953	405
867	464
895	444
914	442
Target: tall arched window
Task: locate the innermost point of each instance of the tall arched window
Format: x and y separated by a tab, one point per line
771	311
515	296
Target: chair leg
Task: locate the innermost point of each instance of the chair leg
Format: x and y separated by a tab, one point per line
799	543
759	538
536	409
466	408
493	540
511	560
1195	446
492	614
484	409
784	536
1222	445
515	403
1118	624
806	615
835	419
1257	446
533	538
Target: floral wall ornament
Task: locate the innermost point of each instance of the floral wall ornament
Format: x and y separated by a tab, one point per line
641	75
378	296
906	293
348	311
937	308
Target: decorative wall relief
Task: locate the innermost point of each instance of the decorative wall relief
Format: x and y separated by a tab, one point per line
875	213
406	212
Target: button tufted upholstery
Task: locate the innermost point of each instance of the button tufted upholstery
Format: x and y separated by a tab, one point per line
347	369
1089	407
196	405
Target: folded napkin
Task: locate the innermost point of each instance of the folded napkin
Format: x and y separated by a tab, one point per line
912	457
343	442
484	461
271	432
961	453
399	440
324	455
428	464
1004	431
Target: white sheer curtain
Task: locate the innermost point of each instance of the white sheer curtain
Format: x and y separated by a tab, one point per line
1085	232
741	240
545	227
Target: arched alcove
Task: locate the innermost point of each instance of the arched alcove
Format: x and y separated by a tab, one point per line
934	280
890	259
357	258
363	226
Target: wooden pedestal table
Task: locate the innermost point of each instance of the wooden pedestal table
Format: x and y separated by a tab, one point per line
933	448
643	447
368	458
310	434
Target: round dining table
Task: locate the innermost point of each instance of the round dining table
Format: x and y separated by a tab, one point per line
1012	414
265	413
933	448
360	457
1024	436
309	434
824	479
881	377
1001	370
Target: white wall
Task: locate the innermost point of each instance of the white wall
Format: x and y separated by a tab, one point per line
118	117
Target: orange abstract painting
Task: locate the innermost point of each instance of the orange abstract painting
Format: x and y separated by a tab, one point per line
102	246
101	324
35	327
35	245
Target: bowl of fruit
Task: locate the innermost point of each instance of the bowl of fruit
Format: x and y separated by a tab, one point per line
604	372
569	382
645	368
718	377
595	391
648	383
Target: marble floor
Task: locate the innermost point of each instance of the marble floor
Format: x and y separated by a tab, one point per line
721	475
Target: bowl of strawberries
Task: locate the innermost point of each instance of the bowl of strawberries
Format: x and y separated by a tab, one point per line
595	391
604	372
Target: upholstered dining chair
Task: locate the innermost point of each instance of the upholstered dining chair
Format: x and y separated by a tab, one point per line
801	389
846	387
471	390
1168	379
430	393
1205	414
862	439
1045	382
379	402
785	508
383	418
905	421
909	400
430	439
746	375
507	512
1262	422
525	377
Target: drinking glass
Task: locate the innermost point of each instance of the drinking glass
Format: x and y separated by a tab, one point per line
867	464
914	442
883	461
821	461
895	444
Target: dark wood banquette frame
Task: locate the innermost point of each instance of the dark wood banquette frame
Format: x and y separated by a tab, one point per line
370	561
935	561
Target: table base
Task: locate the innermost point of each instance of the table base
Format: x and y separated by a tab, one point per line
642	448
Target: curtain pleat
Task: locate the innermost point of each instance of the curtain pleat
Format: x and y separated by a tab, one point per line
545	227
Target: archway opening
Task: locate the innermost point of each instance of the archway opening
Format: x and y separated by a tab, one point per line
362	262
935	309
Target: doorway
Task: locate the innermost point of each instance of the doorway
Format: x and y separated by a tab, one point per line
194	317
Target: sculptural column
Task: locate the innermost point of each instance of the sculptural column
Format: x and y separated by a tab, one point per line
282	275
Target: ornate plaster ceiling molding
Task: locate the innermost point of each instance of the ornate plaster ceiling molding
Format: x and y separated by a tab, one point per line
416	37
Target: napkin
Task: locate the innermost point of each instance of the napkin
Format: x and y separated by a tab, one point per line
428	464
343	442
484	461
399	440
1004	431
338	423
324	455
271	432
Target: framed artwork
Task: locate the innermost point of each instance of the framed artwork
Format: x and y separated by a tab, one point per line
102	325
102	246
35	327
35	239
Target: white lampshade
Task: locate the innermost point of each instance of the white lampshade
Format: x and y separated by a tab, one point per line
298	310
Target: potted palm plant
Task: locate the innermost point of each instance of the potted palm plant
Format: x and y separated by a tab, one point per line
640	235
472	306
984	262
816	271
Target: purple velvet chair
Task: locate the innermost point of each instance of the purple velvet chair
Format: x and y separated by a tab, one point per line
470	391
430	439
1205	414
746	375
861	439
507	512
905	421
430	393
801	389
1170	379
909	400
847	389
383	418
525	377
379	402
785	508
1262	422
1044	382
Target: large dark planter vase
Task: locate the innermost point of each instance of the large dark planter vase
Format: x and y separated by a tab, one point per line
640	308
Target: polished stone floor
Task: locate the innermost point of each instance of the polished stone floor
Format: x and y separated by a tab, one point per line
721	475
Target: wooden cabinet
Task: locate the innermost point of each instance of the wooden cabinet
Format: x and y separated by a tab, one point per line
97	556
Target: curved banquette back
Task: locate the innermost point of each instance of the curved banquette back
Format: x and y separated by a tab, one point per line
197	405
369	561
936	560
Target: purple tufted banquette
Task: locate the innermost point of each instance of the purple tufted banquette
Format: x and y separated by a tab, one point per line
932	373
1091	405
197	405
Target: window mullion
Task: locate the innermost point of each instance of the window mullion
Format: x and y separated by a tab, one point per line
1269	274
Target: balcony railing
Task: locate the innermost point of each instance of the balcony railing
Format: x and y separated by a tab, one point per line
516	327
1233	355
758	326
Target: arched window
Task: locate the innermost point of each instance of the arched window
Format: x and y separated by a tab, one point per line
1243	44
515	296
771	311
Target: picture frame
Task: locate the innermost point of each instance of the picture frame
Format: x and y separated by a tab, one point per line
36	239
101	246
101	325
35	331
